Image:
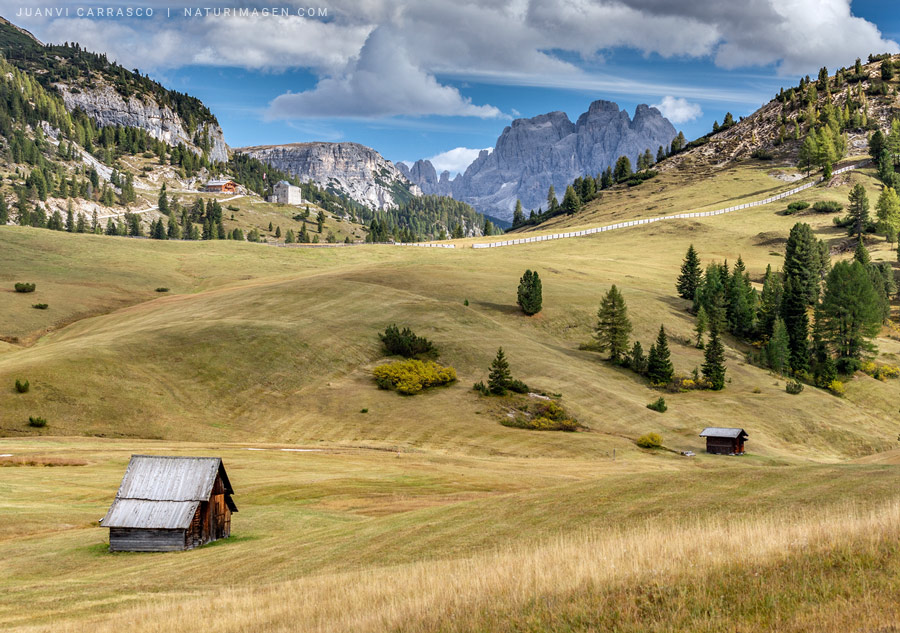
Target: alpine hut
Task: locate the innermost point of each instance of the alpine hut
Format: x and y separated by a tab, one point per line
724	441
166	504
221	186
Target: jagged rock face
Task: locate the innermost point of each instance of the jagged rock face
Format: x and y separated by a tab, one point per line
349	168
423	174
108	107
532	154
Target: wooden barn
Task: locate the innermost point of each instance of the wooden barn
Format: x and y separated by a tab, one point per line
724	441
166	504
221	186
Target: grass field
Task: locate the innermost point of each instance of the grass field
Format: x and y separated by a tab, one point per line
424	513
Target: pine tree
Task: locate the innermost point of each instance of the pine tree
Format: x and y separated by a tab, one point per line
701	326
636	359
4	210
613	325
851	311
888	211
518	215
690	277
714	361
622	170
81	224
778	353
806	156
741	301
499	377
659	367
571	202
70	217
304	236
289	237
804	262
660	154
163	201
861	254
278	231
530	293
793	310
858	209
769	303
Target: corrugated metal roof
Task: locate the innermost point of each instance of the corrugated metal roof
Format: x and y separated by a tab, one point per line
140	513
213	183
163	492
718	431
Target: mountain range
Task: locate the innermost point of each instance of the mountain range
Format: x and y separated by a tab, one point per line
531	155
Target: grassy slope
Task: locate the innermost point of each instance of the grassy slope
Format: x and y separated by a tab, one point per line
270	345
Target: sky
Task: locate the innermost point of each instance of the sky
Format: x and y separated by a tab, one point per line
441	79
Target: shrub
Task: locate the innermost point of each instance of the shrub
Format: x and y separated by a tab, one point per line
761	154
405	343
827	206
22	387
794	207
363	410
162	289
481	388
411	376
836	387
517	386
39	306
231	207
37	422
658	405
793	387
649	440
880	372
466	302
545	417
24	287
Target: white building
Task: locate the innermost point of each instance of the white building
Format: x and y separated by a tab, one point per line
286	193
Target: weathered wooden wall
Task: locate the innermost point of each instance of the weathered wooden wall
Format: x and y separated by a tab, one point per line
145	540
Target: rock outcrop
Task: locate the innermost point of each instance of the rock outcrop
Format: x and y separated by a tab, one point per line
107	107
532	154
425	176
354	170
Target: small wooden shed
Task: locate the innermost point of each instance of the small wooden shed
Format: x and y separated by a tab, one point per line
724	441
167	504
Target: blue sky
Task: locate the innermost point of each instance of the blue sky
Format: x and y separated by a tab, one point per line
416	78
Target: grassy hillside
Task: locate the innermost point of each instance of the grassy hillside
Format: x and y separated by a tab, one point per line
424	513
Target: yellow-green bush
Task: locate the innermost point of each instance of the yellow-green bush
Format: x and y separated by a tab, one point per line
547	416
412	376
836	387
880	372
649	440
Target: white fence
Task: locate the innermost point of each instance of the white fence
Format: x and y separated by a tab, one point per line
696	214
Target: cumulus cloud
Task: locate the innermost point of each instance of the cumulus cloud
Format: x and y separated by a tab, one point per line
409	44
382	82
678	109
455	160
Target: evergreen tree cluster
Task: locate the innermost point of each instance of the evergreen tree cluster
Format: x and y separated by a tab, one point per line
529	295
423	218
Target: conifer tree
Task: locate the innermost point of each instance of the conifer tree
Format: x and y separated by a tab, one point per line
163	201
4	210
530	293
714	361
858	209
571	202
289	237
278	231
81	224
769	303
636	359
499	377
659	367
613	325
851	314
518	215
806	156
888	211
70	217
778	353
690	277
796	320
861	254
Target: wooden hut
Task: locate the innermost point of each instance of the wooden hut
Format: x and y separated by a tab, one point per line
221	186
170	503
724	441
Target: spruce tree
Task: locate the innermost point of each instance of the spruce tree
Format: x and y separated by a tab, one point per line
714	361
769	303
499	377
4	210
796	320
613	326
636	359
741	301
81	224
804	262
518	215
659	365
861	254
858	209
70	217
690	277
571	202
888	212
163	201
530	293
278	231
778	353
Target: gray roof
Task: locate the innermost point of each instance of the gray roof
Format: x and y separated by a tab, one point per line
164	492
717	431
212	183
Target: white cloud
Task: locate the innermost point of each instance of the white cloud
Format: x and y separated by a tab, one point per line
455	160
678	109
383	82
387	54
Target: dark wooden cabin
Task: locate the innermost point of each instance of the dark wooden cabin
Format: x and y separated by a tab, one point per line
724	441
167	504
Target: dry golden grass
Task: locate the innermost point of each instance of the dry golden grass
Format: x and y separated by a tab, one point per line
465	594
